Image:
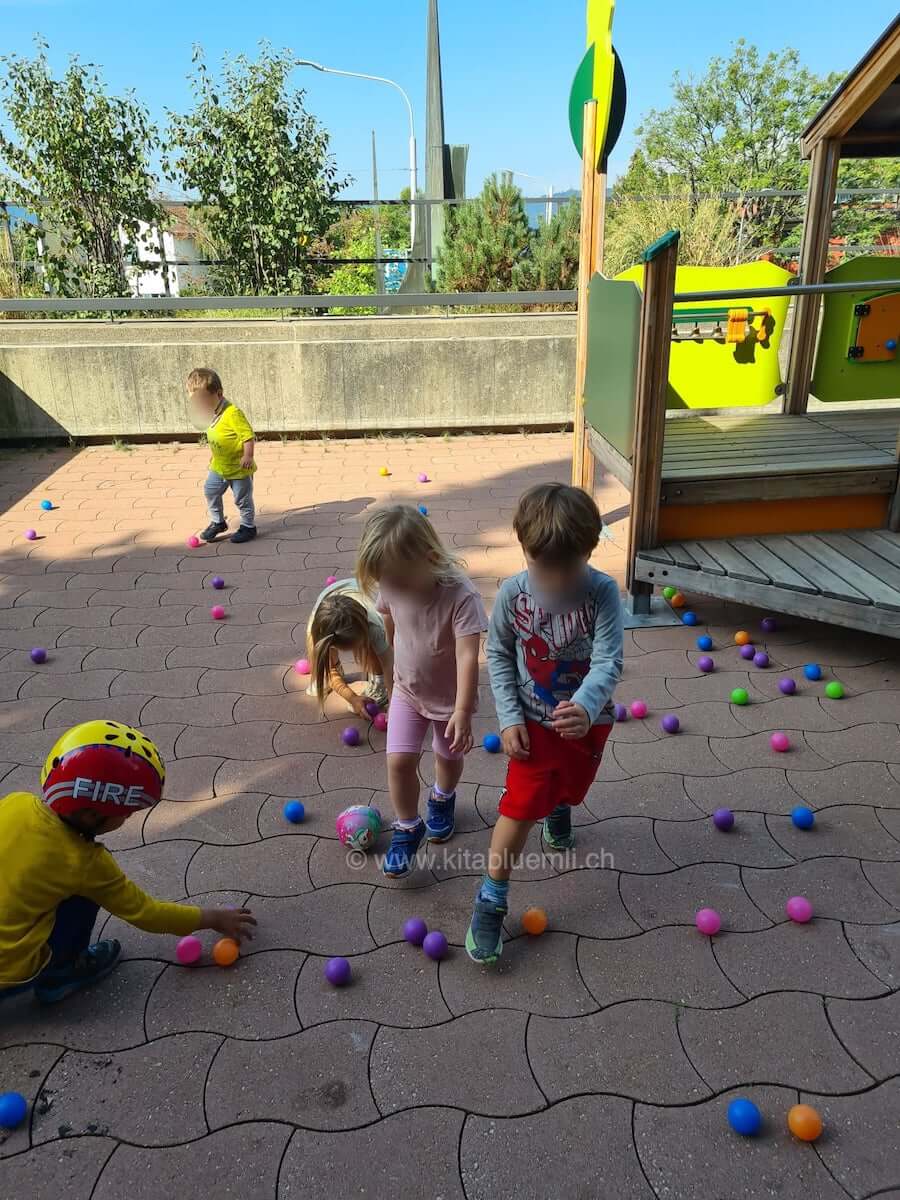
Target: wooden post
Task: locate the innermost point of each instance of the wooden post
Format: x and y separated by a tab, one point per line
660	261
590	256
813	258
893	518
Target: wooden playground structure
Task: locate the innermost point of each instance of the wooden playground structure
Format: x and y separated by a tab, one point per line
795	510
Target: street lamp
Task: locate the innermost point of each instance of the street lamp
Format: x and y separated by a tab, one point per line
305	62
548	211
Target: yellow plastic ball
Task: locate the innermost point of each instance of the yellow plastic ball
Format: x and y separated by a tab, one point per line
384	471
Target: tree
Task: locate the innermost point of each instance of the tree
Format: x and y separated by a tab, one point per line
709	231
484	240
353	236
262	167
77	159
552	260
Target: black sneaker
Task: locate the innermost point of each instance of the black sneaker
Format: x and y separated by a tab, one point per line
211	532
246	533
98	960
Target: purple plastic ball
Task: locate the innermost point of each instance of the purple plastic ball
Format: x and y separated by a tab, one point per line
435	945
670	723
621	712
39	655
768	624
723	818
415	931
705	663
350	736
760	659
747	651
371	707
337	972
30	534
787	686
217	582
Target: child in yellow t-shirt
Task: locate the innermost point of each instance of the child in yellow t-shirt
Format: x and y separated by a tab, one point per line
55	876
232	444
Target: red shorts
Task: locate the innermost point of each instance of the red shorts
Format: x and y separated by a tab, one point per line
557	771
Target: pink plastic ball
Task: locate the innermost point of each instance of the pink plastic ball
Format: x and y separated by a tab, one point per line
301	666
217	612
380	722
799	909
193	541
423	478
638	709
780	742
30	534
708	921
188	950
330	579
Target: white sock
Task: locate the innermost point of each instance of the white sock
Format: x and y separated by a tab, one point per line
408	824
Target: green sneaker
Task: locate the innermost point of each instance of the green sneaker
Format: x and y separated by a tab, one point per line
484	937
557	829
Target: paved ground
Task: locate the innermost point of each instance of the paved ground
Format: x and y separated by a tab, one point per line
598	1060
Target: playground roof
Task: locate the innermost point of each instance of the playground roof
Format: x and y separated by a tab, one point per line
864	112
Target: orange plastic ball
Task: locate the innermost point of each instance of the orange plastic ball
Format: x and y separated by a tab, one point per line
226	951
804	1122
534	921
742	637
678	601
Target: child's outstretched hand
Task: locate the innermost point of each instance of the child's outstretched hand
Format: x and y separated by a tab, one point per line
459	731
570	720
515	741
237	923
358	704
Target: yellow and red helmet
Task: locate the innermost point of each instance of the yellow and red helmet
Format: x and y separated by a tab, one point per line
103	765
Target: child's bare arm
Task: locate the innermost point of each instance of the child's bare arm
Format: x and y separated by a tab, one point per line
247	455
459	727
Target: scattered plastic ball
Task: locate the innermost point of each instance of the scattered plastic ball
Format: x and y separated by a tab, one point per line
294	811
670	723
787	686
301	666
380	722
225	952
620	712
890	344
803	817
38	655
330	579
678	601
747	651
46	505
705	664
669	592
799	909
31	535
415	931
812	671
708	921
492	743
690	618
760	659
371	708
723	818
768	625
834	690
638	709
358	826
337	972
740	696
217	582
423	478
383	471
435	945
742	637
188	950
704	642
744	1117
423	510
193	541
804	1122
780	742
13	1110
350	736
534	921
217	612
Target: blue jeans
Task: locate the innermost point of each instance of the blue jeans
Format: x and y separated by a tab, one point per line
70	936
215	488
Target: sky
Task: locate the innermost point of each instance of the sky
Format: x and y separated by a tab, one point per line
508	64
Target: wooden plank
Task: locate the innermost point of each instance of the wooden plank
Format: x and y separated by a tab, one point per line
867	482
793	552
835	560
659	554
582	460
781	573
705	562
736	564
880	541
886	590
784	466
682	556
609	457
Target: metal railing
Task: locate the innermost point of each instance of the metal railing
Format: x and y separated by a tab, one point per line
793	289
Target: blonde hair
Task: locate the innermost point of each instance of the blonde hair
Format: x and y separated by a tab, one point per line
206	379
397	538
338	623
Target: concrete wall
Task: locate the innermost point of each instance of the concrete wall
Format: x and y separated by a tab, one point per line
335	374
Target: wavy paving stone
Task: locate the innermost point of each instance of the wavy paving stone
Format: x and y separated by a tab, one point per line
747	843
891	822
293	709
836	887
673	899
211	712
851	830
138	943
67	1169
219	821
467	854
885	878
785	712
192	778
438	1066
318	1079
631	1049
252	999
159	869
253	681
616	844
24	1068
698	688
859	782
655	693
394	985
224	658
862	1149
863	743
879	948
585	903
870	1031
331	862
686	754
315	1160
690	1153
241	1162
151	1095
754	750
663	964
563	1145
871	706
321	812
272	867
331	920
244	741
446	906
83	685
290	775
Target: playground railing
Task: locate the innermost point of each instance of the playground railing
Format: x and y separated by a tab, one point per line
793	289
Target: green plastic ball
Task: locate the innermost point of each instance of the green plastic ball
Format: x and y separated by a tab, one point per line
740	696
669	592
834	690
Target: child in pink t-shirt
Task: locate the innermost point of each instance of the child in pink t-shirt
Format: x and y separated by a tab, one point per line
434	618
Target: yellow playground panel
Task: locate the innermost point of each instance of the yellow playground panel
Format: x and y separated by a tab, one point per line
724	354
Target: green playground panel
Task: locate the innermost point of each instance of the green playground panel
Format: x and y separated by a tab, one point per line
614	319
708	374
838	378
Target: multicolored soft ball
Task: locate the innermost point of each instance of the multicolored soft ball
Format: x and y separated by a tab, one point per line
359	826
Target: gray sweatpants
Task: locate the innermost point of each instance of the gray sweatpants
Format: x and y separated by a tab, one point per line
215	488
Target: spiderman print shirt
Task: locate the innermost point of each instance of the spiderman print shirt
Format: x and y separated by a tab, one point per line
538	656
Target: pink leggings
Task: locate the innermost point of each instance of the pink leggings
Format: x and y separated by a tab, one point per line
407	728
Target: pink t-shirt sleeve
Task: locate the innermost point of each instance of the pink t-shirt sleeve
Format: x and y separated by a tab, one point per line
382	606
469	615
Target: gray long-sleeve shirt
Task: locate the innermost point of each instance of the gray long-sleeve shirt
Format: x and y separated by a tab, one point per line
538	656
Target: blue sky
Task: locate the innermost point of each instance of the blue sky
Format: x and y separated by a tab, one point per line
508	64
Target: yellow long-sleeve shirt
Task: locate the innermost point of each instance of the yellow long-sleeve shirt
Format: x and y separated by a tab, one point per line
43	862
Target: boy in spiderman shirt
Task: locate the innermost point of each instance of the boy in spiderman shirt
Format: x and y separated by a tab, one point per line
554	653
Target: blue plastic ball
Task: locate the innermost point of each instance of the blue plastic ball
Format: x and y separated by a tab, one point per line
492	743
803	817
690	618
46	505
423	510
890	344
294	811
744	1117
812	671
13	1110
704	642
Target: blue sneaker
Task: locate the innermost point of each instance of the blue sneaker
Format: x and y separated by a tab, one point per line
557	829
439	821
402	851
484	938
56	983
